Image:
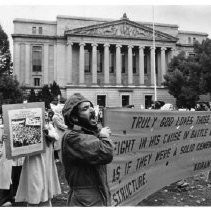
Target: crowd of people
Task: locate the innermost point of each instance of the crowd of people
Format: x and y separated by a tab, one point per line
84	141
200	106
25	135
73	135
32	179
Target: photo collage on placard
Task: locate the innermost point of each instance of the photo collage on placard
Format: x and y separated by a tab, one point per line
26	131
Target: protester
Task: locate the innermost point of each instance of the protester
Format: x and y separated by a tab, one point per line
9	174
51	114
54	102
62	100
60	127
17	164
5	174
100	115
86	149
39	179
167	106
200	106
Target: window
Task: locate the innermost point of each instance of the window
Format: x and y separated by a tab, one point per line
125	100
40	30
33	30
194	39
123	62
99	61
36	81
111	63
37	58
134	63
87	61
101	100
189	40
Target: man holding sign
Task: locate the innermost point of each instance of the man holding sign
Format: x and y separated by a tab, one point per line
86	149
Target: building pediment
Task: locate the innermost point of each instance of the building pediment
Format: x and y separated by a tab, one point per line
121	29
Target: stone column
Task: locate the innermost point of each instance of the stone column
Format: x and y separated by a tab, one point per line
152	62
141	65
69	68
163	62
118	65
81	64
106	64
94	64
16	63
130	65
159	70
45	72
27	64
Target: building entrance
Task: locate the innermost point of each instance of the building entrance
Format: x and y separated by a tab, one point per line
148	101
101	100
125	100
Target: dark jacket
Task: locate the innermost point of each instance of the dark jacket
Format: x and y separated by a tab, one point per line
85	155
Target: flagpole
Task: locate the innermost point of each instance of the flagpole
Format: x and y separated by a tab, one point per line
153	44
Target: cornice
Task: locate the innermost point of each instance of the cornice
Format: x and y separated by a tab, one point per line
23	20
37	36
192	33
120	38
122	88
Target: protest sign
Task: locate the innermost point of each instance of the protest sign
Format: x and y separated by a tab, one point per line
23	125
154	149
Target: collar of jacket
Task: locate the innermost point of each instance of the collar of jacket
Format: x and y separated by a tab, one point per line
85	130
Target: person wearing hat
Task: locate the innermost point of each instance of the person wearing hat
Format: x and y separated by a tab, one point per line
86	149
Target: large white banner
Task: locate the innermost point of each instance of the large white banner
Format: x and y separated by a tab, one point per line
154	149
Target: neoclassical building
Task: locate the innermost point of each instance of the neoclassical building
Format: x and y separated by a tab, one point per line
108	61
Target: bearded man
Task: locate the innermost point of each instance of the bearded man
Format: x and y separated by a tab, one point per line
86	149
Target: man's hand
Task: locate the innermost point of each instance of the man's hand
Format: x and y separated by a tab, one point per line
52	132
105	132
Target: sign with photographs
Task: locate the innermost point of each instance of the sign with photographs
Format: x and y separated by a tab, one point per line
23	125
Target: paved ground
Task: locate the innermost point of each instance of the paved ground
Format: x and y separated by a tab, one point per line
198	193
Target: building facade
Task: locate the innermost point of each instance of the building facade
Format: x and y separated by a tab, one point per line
108	61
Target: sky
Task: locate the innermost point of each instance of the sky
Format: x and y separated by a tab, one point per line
188	15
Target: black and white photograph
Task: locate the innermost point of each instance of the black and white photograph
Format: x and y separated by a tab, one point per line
105	104
26	131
